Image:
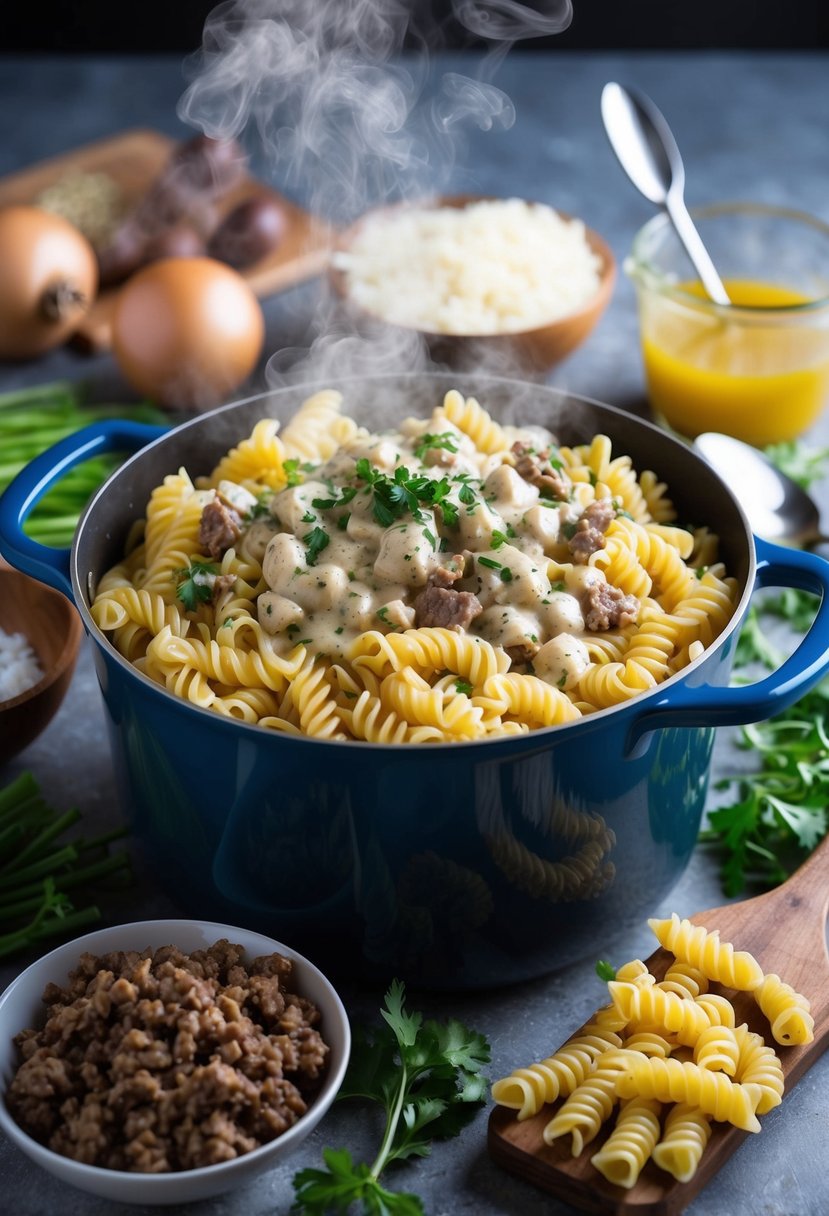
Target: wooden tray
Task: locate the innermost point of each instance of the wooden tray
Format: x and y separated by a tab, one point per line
133	159
785	931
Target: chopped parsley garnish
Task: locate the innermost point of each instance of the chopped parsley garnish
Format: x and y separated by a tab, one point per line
342	522
430	536
701	571
315	541
562	680
466	495
498	539
383	614
345	496
292	628
605	971
227	622
292	474
568	531
192	585
308	517
260	509
558	586
463	686
339	629
446	440
504	572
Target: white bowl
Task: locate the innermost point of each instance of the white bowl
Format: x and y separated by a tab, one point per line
21	1007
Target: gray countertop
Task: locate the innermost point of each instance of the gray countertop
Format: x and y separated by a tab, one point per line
750	127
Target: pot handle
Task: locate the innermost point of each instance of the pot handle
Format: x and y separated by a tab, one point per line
708	706
49	565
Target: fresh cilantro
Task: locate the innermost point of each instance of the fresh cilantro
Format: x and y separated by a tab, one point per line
427	1078
193	587
446	440
463	686
605	971
315	541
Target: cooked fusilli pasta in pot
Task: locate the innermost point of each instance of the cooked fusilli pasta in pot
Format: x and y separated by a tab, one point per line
449	580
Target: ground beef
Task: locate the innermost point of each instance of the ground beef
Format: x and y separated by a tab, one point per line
607	607
439	605
588	537
535	467
159	1061
219	528
222	583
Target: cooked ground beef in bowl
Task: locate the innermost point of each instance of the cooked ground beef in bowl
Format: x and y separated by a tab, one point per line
156	1061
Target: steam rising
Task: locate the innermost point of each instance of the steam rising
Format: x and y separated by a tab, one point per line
340	116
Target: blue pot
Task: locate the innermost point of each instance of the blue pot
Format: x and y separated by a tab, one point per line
456	866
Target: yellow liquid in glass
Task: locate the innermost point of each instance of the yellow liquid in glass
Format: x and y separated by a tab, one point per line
764	381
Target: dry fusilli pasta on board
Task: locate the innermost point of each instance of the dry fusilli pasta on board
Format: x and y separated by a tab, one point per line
665	1059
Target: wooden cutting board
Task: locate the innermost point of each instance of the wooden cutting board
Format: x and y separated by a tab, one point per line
785	930
133	159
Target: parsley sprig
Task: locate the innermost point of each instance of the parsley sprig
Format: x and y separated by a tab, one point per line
445	440
405	492
427	1077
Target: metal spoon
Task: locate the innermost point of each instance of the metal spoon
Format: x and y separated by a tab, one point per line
647	151
777	508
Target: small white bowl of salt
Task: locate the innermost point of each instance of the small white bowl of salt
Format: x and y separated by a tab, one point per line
40	634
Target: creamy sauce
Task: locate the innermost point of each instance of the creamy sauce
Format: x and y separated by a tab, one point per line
350	548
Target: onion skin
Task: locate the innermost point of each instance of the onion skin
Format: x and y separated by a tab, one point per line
48	280
187	331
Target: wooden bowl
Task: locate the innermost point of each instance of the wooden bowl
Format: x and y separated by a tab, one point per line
54	630
531	351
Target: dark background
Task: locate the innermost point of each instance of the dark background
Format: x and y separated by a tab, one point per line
175	25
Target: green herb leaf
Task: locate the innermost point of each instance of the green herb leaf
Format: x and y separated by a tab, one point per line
427	1077
463	686
802	463
193	587
605	971
446	440
292	474
315	541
